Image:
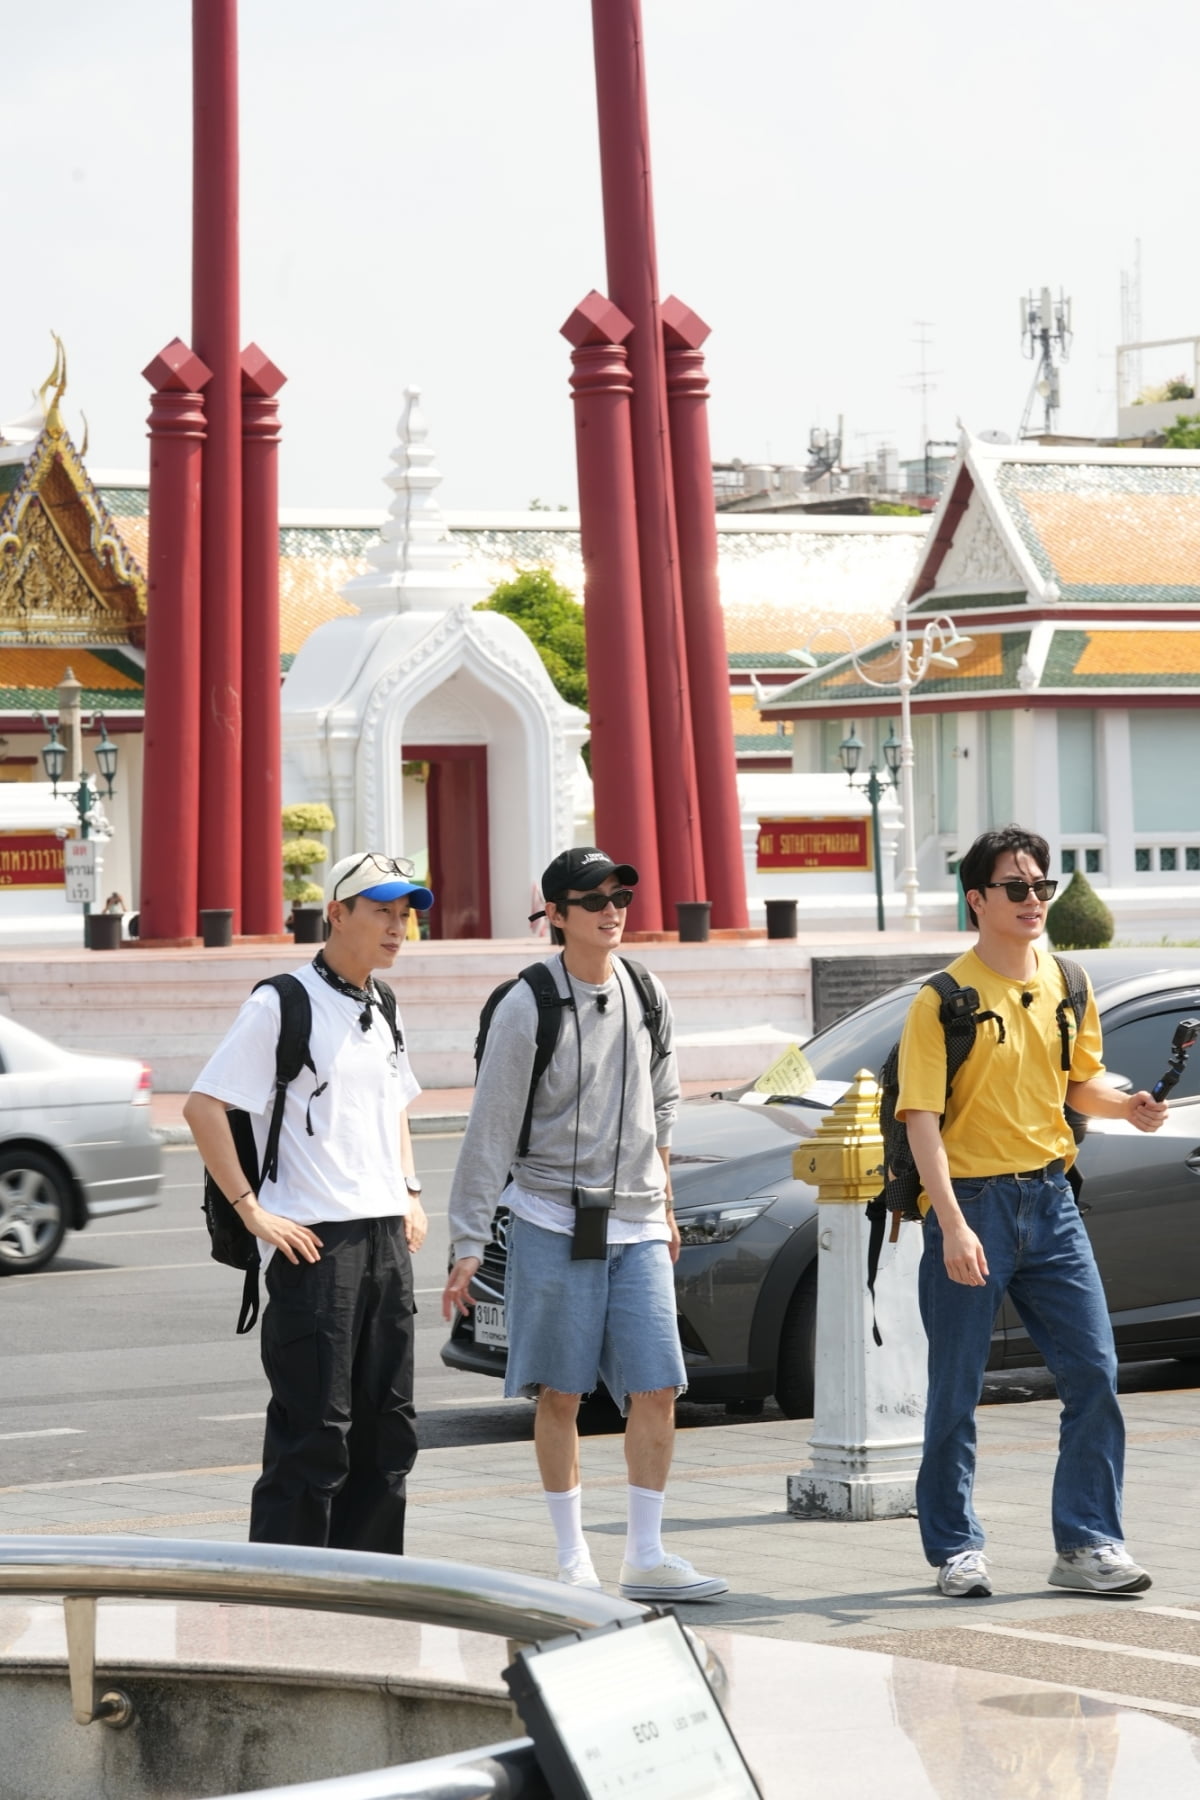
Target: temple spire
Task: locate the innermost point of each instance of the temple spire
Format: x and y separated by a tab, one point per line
415	567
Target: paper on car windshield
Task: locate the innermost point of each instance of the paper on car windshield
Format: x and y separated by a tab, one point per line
791	1073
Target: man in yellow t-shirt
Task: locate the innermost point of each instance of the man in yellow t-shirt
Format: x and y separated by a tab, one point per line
1001	1219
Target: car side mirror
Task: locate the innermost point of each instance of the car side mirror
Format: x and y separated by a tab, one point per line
1122	1083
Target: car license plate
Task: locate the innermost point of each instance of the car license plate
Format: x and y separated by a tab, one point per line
489	1325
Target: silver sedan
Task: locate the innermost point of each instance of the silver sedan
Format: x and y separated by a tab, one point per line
76	1143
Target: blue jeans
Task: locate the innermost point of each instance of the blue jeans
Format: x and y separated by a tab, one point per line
1039	1254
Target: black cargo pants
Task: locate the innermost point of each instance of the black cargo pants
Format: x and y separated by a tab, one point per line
337	1347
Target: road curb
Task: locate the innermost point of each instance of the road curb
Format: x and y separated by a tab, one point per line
425	1125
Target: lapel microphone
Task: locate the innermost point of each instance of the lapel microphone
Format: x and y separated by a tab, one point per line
602	1002
1026	999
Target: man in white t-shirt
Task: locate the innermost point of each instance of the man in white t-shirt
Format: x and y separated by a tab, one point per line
337	1228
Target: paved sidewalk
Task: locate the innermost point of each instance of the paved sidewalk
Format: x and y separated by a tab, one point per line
863	1586
434	1110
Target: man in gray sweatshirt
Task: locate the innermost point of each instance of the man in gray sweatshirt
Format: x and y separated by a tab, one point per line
600	1131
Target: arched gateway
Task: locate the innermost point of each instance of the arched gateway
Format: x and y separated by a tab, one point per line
430	727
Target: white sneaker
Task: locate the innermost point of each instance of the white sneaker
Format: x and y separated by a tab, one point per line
1099	1569
673	1579
965	1576
579	1572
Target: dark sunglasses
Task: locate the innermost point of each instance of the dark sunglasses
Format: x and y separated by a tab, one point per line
620	898
1020	890
387	865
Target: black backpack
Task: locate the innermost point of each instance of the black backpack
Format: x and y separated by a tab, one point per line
960	1017
550	1003
229	1240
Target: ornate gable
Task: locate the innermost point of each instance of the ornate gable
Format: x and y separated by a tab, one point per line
66	577
978	560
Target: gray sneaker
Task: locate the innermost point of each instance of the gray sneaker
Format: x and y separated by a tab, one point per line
1099	1569
965	1576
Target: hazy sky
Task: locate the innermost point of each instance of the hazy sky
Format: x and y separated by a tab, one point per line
420	203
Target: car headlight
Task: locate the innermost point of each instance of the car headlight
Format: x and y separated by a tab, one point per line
717	1224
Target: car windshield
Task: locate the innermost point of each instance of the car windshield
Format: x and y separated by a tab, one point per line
830	1060
861	1040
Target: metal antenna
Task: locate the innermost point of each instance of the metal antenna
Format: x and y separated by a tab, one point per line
1045	334
1129	371
921	381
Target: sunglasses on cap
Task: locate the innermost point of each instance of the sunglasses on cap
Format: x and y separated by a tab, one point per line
387	865
1021	890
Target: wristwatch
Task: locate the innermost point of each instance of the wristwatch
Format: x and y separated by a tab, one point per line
413	1183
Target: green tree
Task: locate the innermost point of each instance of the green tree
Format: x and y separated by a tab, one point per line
1184	434
552	619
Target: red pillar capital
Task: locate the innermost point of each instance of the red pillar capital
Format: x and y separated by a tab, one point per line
618	687
171	773
262	789
684	331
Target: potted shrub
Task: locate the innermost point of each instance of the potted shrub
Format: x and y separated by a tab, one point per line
1079	919
301	854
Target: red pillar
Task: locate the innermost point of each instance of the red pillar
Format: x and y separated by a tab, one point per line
171	781
703	620
216	338
618	691
262	797
633	286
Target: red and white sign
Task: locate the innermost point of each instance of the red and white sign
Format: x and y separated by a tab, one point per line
830	844
31	859
82	869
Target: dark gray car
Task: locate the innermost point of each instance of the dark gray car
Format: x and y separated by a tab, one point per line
745	1282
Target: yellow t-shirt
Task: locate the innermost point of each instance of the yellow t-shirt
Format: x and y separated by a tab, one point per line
1005	1113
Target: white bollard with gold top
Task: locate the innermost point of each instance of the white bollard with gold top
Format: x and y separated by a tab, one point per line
869	1400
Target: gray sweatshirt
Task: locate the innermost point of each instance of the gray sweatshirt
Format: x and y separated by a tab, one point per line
489	1151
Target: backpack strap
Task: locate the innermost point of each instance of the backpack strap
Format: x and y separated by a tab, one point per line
1074	1001
291	1055
248	1311
550	1003
960	1016
387	1006
652	1011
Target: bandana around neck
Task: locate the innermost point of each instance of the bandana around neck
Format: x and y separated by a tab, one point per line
366	997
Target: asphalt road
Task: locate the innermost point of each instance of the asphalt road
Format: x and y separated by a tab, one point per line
121	1358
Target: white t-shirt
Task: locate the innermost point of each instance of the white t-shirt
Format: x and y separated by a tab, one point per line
535	1209
350	1167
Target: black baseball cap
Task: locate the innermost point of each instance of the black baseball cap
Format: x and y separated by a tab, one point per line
584	868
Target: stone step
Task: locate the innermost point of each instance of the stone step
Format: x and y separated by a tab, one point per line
736	1004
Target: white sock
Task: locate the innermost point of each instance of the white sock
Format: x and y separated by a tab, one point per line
643	1539
566	1516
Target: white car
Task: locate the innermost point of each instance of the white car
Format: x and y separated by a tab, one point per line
76	1143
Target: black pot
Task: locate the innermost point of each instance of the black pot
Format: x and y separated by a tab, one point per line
308	924
216	927
693	916
781	918
103	931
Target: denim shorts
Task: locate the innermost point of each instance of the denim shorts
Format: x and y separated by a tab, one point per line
571	1324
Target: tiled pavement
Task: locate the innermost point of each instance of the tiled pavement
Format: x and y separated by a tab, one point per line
857	1585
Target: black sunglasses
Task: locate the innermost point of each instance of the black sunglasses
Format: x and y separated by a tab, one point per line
1020	890
620	898
387	865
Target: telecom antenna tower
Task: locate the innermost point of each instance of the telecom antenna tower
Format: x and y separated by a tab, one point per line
1045	335
1129	367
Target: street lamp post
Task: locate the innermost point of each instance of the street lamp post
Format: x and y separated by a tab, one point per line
850	751
940	646
86	797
